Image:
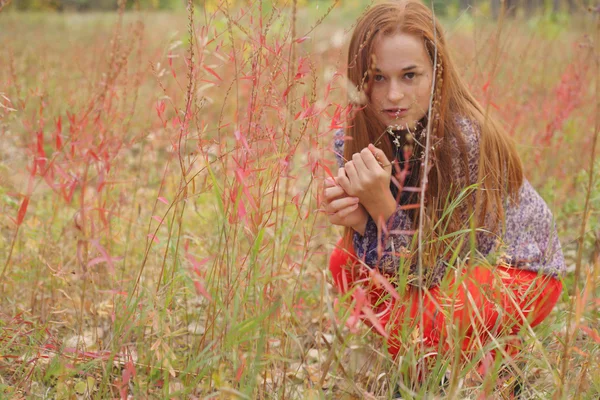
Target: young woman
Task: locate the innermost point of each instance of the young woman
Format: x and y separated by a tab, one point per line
408	88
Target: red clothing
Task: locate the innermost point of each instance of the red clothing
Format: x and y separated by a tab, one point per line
487	302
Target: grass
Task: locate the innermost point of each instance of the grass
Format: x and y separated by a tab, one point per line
160	235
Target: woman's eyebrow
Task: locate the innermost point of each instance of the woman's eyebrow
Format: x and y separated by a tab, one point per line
403	69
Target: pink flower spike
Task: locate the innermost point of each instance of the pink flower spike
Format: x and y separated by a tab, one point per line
200	289
351	323
374	320
381	280
105	256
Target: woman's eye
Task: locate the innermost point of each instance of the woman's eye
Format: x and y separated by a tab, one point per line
378	78
410	76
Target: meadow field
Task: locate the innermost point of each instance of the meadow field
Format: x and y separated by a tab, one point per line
160	174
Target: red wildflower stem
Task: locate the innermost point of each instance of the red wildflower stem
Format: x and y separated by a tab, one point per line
19	221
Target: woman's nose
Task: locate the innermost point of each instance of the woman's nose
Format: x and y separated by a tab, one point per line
395	93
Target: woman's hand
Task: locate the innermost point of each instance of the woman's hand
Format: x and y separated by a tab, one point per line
367	176
342	209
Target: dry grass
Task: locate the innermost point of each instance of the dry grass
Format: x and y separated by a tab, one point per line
159	232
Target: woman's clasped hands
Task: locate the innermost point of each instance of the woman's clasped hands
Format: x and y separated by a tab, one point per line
360	188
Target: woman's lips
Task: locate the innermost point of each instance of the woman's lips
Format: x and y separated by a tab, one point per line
395	112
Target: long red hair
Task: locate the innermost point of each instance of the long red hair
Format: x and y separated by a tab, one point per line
500	169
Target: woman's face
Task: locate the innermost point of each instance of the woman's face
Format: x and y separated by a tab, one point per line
401	84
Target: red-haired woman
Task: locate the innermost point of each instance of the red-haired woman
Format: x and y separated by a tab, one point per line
475	184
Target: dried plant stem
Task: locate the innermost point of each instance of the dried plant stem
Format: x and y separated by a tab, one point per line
166	253
322	18
287	133
8	258
183	128
424	181
226	236
138	33
586	213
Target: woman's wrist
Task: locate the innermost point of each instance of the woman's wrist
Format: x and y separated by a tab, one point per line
383	209
361	227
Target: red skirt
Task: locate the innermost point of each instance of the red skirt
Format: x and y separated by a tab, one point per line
481	304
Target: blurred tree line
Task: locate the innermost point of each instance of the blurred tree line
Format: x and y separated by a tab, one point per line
90	5
527	7
511	7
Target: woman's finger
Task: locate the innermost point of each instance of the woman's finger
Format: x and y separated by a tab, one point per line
346	211
351	172
329	182
334	192
339	204
381	158
359	164
369	160
343	180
